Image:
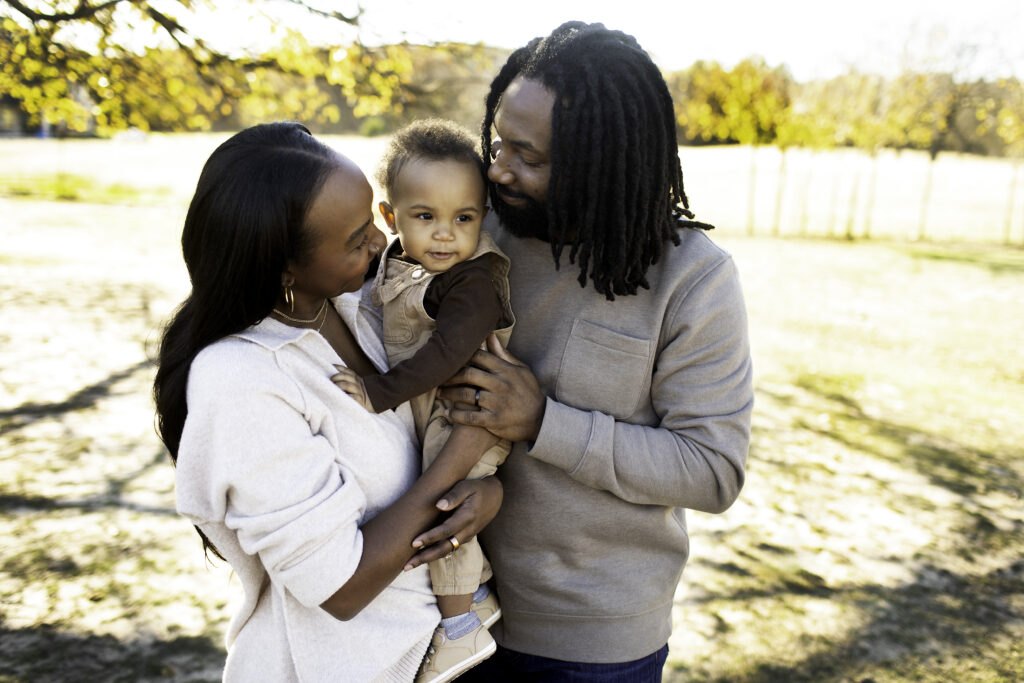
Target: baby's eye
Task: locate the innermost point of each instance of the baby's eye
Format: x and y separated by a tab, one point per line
464	218
424	216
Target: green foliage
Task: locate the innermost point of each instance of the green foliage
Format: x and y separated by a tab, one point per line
102	85
68	65
744	105
76	188
753	103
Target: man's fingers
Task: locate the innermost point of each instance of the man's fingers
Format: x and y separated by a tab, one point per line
496	349
472	375
473	417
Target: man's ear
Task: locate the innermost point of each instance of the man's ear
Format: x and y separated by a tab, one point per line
389	216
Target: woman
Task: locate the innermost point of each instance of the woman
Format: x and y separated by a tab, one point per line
316	503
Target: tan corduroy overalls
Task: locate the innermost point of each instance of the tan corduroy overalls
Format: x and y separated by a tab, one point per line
399	289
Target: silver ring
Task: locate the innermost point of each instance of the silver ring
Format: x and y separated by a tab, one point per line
476	398
455	543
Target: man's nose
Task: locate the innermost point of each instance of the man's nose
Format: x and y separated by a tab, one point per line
497	172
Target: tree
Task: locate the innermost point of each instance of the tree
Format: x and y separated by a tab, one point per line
1009	125
744	105
69	65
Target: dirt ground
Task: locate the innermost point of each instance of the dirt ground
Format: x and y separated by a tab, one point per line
880	536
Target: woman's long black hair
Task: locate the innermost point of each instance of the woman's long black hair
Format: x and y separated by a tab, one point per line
616	190
246	219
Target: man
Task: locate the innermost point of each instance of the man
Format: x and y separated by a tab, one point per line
627	385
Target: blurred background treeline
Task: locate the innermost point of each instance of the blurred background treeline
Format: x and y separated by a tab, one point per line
74	69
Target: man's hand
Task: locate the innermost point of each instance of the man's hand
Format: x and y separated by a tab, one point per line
502	395
352	384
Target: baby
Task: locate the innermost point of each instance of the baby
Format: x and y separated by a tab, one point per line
443	286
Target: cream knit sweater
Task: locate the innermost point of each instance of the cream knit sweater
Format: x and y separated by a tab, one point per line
280	468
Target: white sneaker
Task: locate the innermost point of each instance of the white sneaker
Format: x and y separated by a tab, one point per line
447	658
488	610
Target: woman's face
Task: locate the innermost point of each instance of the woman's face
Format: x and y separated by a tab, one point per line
345	237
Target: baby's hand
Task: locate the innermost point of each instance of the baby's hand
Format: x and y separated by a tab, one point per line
352	384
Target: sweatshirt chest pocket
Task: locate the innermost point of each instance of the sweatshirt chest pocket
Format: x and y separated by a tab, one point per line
603	370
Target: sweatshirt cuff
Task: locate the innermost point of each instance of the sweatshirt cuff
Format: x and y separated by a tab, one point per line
564	436
375	393
328	568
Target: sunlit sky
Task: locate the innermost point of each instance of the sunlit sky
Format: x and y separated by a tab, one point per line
814	38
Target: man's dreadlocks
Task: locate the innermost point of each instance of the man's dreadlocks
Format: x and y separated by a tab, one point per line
616	189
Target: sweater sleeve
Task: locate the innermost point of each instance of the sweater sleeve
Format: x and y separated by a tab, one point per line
468	309
702	392
250	460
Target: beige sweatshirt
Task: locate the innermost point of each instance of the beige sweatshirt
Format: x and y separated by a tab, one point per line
280	468
648	413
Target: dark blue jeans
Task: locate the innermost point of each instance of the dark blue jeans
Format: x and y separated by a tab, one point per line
517	667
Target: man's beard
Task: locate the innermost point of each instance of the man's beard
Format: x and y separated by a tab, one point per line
529	221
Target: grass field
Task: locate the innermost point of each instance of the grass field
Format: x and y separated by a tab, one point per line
880	536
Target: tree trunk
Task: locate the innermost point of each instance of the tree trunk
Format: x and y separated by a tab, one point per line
753	184
780	190
1014	172
805	197
854	196
833	217
869	204
925	198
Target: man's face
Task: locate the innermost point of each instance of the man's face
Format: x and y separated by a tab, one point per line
521	168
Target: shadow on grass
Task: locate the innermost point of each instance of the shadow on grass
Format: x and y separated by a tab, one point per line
995	259
921	626
112	497
940	625
961	469
45	653
87	397
15	501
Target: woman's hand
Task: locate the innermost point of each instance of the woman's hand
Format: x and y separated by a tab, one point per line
499	393
473	504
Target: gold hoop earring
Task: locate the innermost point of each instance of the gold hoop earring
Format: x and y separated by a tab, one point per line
289	298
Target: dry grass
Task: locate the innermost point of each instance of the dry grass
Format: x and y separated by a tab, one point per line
879	536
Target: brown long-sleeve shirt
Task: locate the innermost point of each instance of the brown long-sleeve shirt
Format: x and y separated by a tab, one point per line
466	308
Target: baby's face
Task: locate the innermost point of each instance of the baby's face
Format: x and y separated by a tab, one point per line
439	206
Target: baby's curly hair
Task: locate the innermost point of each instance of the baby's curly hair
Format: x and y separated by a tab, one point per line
432	140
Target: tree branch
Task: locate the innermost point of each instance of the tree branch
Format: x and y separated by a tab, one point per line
353	20
83	11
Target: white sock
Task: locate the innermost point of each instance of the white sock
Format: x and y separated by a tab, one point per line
460	624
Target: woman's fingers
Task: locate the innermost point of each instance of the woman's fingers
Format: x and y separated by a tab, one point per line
473	503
